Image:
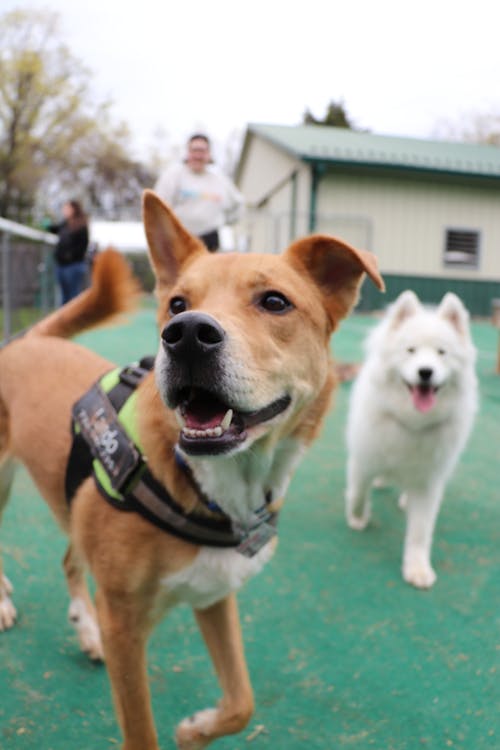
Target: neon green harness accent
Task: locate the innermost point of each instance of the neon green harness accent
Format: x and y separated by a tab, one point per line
126	416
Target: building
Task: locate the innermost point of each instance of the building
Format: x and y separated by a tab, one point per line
127	236
429	210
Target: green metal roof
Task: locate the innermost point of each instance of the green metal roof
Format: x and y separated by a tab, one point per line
318	143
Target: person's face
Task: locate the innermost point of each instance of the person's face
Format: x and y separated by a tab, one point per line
67	211
198	155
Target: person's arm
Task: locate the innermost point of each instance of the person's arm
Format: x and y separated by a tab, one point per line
48	226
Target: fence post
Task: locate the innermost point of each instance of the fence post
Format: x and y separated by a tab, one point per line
44	279
7	323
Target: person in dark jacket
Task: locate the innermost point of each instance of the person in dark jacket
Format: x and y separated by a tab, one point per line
71	248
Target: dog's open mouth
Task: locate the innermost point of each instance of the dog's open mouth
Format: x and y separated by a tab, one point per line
423	396
209	426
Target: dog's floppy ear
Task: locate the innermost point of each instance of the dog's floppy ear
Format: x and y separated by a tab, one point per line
170	244
406	305
336	268
453	310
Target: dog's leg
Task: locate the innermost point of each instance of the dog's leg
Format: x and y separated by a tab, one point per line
421	513
221	630
357	497
124	629
8	612
81	613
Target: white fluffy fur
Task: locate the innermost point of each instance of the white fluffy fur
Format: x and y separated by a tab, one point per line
388	436
213	575
239	482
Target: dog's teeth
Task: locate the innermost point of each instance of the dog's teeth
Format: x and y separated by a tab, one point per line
210	432
180	419
226	421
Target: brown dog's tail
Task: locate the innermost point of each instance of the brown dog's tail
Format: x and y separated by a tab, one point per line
113	291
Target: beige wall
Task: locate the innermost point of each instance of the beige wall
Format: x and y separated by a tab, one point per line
402	219
272	227
268	172
410	217
264	168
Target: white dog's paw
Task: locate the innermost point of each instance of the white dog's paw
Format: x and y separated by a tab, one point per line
358	523
403	501
8	612
194	732
358	510
419	574
87	629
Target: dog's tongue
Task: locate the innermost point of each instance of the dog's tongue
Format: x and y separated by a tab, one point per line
203	421
424	398
203	415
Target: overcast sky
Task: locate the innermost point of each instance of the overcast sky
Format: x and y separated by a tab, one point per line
400	67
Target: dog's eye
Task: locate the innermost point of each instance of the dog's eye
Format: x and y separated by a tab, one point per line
275	302
177	305
411	350
442	352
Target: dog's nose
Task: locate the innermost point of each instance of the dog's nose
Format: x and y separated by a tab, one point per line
191	334
425	374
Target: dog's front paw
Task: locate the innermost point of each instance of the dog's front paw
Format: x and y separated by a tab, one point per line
8	612
87	629
358	523
358	510
419	573
194	732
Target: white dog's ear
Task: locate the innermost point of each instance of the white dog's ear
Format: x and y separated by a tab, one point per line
170	244
406	305
452	309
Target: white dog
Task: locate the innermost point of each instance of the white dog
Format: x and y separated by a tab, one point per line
411	411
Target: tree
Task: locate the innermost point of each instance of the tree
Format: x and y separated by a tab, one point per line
471	128
336	116
109	179
53	135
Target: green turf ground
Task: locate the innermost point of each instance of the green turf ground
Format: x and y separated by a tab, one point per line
342	653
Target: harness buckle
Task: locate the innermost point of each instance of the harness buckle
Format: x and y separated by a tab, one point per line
254	539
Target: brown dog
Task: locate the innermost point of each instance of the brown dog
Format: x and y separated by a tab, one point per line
241	384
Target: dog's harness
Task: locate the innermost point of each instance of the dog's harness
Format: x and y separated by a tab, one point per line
106	445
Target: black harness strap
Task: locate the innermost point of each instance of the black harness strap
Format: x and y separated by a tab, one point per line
146	495
80	460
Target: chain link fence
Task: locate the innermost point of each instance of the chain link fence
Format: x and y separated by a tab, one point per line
27	282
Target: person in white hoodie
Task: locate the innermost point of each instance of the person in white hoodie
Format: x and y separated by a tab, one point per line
203	199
